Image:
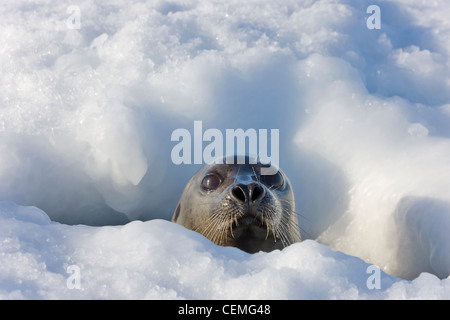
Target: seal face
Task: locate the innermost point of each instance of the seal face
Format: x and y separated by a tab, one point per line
234	205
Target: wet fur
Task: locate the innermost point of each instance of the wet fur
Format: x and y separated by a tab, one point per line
272	225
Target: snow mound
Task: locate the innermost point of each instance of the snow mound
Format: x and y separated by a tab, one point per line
90	94
161	260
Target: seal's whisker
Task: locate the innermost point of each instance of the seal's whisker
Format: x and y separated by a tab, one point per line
283	231
254	172
237	174
210	230
231	227
295	212
290	226
296	225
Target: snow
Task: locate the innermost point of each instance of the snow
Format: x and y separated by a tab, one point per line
161	260
87	112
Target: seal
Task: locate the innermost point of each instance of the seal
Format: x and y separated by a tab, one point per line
235	205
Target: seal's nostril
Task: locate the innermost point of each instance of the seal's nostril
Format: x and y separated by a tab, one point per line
256	192
247	193
239	193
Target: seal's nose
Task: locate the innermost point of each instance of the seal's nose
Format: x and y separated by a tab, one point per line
247	193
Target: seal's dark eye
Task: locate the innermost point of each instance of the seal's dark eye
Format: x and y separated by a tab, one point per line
211	181
273	181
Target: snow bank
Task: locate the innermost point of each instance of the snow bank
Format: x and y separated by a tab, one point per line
161	260
87	111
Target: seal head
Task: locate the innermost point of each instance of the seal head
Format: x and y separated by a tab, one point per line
235	205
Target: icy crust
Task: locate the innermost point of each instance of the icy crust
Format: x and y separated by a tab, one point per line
86	114
161	260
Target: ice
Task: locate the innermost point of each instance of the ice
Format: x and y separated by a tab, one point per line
161	260
87	112
392	159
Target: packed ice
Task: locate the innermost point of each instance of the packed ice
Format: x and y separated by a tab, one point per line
91	92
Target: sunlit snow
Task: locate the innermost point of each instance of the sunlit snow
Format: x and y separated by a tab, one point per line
91	92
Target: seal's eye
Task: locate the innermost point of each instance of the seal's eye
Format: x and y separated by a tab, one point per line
211	181
274	181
